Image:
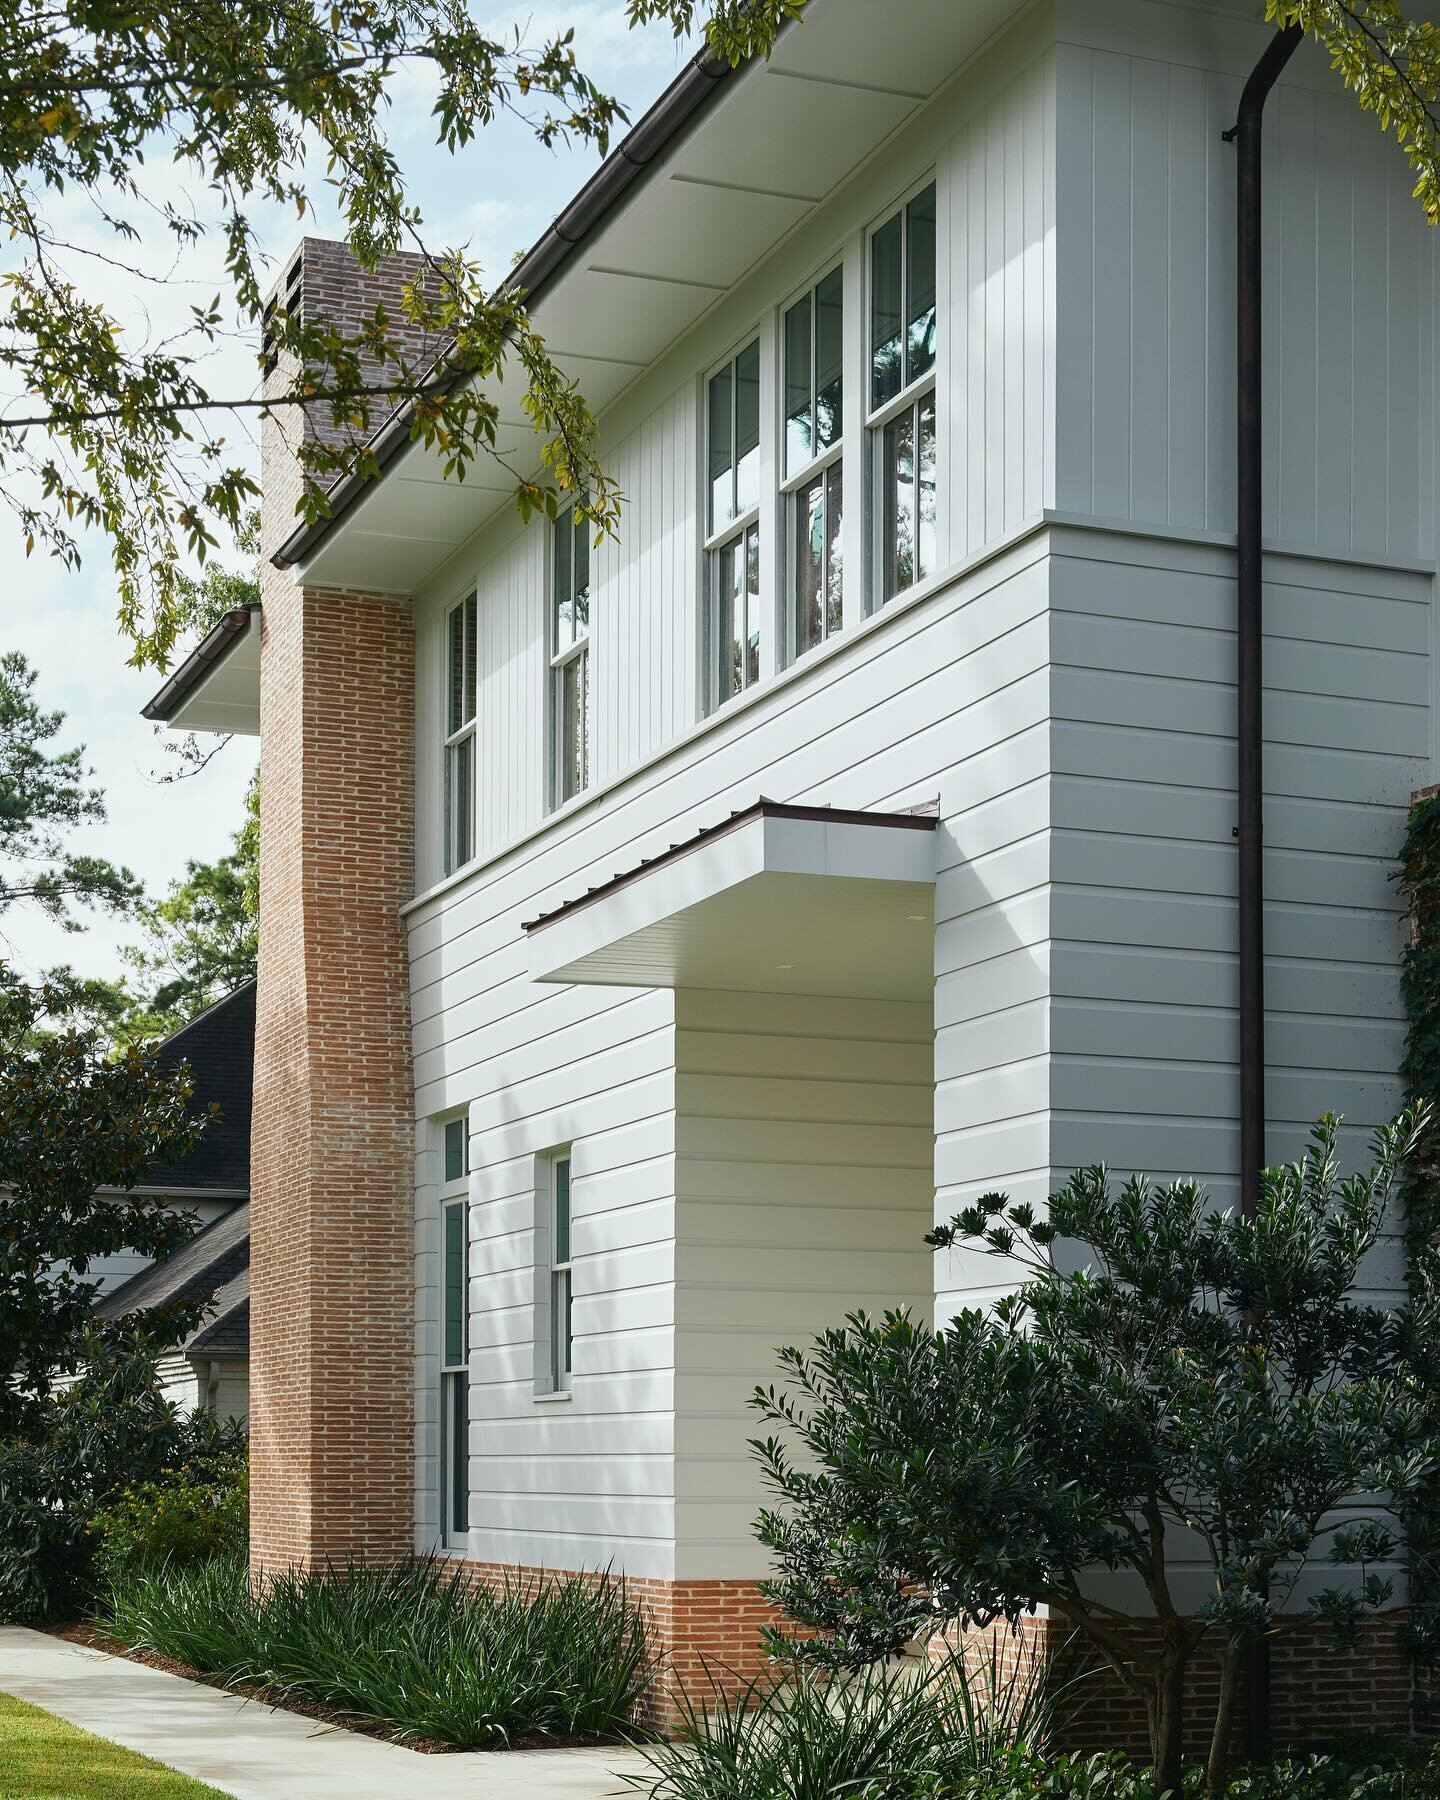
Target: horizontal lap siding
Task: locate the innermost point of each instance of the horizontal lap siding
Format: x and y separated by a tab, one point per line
787	1219
941	701
1144	1034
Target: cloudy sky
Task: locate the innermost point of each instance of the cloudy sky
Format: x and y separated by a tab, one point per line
497	197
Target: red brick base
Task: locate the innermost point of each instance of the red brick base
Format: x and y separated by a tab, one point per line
707	1631
1316	1692
709	1634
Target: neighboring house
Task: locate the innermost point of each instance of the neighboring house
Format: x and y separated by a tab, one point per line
219	1046
657	936
210	1367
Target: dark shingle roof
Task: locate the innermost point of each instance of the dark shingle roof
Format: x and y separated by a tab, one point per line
227	1331
219	1045
214	1259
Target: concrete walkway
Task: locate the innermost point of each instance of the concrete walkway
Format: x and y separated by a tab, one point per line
259	1754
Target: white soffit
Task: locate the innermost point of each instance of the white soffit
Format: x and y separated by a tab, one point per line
227	696
782	137
778	900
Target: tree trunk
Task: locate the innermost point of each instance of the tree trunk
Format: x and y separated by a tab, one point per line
1167	1720
1215	1767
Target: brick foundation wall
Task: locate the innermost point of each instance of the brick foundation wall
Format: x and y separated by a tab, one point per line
332	1147
1315	1691
708	1631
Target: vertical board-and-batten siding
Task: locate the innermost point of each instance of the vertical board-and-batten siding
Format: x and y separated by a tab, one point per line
1146	292
989	139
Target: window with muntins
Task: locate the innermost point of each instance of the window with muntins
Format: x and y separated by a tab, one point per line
455	1338
901	414
562	1333
570	658
814	342
461	634
732	560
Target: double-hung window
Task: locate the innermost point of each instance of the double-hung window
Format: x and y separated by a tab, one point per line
455	1338
732	546
460	655
814	340
561	1293
570	658
901	421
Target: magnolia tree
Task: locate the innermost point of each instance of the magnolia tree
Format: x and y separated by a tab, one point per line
1189	1384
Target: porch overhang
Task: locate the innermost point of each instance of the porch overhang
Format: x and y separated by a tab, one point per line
217	687
777	899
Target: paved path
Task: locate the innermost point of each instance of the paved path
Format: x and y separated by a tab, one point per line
259	1754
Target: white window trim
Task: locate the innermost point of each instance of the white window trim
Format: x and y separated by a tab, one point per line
452	1194
551	1382
450	860
763	516
556	661
849	446
878	418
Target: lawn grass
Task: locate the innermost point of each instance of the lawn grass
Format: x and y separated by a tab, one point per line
45	1758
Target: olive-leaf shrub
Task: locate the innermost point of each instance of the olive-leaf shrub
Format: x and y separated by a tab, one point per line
1164	1368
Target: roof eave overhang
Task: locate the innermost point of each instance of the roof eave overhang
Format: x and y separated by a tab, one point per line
676	109
776	899
217	687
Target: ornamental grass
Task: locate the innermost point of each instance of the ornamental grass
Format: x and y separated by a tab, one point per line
411	1646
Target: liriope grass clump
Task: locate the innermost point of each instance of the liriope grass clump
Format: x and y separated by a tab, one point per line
410	1646
889	1732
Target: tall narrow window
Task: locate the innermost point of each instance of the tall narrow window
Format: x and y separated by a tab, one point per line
902	395
570	658
562	1335
455	1339
732	573
460	656
814	425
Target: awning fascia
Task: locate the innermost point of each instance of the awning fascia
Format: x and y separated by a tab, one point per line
759	880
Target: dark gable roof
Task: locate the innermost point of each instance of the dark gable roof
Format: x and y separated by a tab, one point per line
211	1262
219	1045
227	1330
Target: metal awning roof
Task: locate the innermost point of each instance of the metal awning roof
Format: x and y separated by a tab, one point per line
777	898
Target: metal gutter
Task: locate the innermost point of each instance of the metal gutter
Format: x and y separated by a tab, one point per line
210	650
681	103
1249	682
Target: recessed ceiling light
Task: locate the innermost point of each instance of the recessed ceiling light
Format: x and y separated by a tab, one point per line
919	916
784	965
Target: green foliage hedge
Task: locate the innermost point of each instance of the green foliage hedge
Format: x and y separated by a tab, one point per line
189	1515
1420	989
888	1734
82	1448
410	1646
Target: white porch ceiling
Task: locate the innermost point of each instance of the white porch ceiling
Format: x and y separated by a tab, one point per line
782	137
780	900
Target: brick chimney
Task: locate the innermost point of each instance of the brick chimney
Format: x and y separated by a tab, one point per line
332	1352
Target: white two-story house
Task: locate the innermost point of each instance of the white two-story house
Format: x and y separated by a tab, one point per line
657	936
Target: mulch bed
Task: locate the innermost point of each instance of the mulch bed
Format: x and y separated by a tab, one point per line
280	1700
